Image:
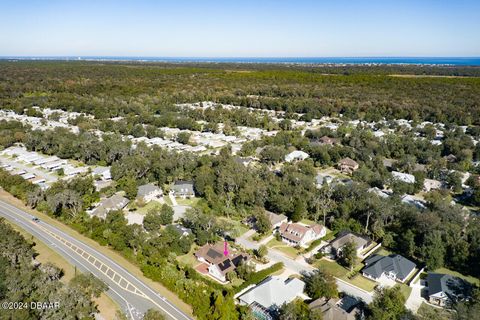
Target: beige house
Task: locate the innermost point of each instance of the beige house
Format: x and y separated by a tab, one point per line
347	165
334	248
336	309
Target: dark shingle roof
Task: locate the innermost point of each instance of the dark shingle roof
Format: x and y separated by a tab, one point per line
147	189
453	287
376	265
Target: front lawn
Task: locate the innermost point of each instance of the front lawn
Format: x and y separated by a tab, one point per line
151	205
192	202
189	258
237	227
382	252
404	289
342	273
361	282
283	247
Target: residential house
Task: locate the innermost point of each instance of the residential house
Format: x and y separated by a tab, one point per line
245	161
296	156
149	192
219	264
28	176
115	202
183	189
394	267
71	171
404	177
334	248
181	230
389	163
267	297
450	158
102	172
444	289
431	184
296	234
325	140
414	201
44	160
54	165
347	165
378	192
346	308
276	219
323	178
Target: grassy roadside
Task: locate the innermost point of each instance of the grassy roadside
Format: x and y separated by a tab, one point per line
106	306
342	273
284	248
133	269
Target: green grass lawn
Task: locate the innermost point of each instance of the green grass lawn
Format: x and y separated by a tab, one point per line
382	251
342	273
151	205
457	274
167	200
238	228
192	202
284	248
189	258
361	282
307	222
404	289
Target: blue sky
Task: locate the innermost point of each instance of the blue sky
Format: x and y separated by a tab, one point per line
242	28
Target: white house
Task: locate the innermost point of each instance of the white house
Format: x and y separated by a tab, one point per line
404	177
269	295
102	172
414	200
296	156
378	192
431	184
296	234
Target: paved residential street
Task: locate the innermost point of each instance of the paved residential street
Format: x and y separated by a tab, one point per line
300	265
134	296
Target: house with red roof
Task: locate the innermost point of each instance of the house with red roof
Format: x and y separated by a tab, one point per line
219	264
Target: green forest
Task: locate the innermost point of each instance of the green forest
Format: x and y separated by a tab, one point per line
145	95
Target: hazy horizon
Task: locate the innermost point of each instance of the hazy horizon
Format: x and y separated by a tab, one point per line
265	29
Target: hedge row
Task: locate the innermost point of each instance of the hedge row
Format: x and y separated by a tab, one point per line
259	276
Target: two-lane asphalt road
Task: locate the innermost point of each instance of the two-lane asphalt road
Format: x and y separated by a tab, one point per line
133	295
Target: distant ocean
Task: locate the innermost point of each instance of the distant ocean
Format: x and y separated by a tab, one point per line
455	61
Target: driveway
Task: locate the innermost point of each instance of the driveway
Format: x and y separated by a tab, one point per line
179	211
415	300
172	198
300	265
